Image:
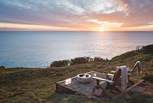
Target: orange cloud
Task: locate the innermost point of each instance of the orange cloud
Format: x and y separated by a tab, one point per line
17	26
92	26
77	15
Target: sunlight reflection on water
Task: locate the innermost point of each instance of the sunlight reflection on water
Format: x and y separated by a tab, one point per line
38	49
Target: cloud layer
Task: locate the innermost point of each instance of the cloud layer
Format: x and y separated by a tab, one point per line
77	13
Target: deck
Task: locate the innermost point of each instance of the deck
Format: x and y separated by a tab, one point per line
72	86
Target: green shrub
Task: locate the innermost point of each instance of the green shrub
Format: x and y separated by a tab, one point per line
99	59
145	57
148	49
148	57
148	78
80	60
60	63
2	67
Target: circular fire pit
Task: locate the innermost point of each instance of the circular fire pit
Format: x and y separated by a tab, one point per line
84	78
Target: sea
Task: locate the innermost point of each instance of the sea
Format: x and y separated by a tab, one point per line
39	49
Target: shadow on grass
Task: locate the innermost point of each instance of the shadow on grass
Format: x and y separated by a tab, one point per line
67	98
133	98
140	98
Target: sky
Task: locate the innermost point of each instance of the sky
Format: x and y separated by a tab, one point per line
76	15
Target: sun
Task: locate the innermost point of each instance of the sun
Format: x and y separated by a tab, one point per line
103	28
109	26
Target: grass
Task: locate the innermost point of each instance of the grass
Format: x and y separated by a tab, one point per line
37	85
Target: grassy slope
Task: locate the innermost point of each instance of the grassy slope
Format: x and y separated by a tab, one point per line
38	85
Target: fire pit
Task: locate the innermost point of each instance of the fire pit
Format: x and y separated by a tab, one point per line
84	78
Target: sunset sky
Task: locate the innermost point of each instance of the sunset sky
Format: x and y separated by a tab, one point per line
76	15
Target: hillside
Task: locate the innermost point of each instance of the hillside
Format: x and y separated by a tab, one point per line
37	85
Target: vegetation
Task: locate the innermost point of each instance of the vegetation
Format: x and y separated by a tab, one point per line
2	67
147	49
60	63
80	60
37	85
99	59
148	78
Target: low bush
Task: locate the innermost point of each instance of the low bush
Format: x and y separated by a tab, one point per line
80	60
60	63
148	49
148	78
99	59
2	67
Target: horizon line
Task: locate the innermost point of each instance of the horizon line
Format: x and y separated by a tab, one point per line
70	31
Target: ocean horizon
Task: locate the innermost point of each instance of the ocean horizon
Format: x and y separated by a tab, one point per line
39	49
